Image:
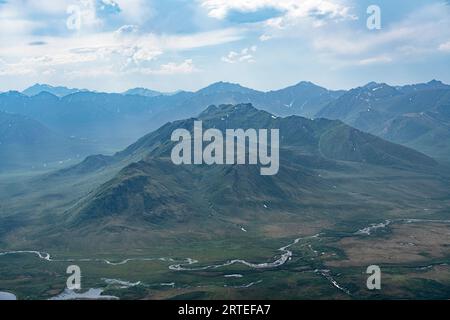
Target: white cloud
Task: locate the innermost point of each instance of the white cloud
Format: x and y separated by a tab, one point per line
47	7
245	55
14	23
145	54
135	11
39	64
201	39
76	14
171	68
119	49
445	47
127	30
93	72
187	66
14	69
265	37
375	60
293	10
417	36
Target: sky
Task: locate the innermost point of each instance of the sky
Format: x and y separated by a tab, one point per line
169	45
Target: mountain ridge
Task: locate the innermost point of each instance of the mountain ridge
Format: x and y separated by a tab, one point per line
58	91
416	118
416	115
143	182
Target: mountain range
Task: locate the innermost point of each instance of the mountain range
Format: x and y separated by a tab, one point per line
416	116
61	91
138	194
58	91
112	121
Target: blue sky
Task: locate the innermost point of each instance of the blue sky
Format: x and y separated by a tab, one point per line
113	45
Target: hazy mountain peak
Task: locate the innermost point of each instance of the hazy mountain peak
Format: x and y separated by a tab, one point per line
221	87
435	82
302	86
13	93
430	85
306	84
373	85
57	91
143	92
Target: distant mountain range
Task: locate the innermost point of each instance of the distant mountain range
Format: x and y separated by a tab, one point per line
416	115
26	142
148	93
413	115
118	119
61	91
143	92
57	91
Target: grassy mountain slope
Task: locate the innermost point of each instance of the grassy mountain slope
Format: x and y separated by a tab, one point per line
329	172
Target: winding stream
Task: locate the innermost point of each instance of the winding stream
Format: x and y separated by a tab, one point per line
285	256
180	266
375	226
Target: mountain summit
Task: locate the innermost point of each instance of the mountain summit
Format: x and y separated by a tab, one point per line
57	91
225	87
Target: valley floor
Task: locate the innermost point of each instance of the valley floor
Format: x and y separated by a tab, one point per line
413	255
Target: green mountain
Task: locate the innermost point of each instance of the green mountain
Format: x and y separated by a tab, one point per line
138	194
